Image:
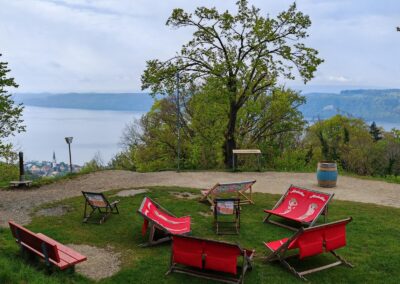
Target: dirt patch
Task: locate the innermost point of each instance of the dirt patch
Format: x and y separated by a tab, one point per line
101	263
54	211
131	192
185	195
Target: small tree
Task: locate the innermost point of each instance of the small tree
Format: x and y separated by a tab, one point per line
375	132
10	113
245	52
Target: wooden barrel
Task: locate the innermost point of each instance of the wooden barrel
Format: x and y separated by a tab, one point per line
327	174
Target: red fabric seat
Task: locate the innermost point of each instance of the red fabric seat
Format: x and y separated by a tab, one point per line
301	205
221	257
274	245
311	243
208	255
170	223
335	237
188	252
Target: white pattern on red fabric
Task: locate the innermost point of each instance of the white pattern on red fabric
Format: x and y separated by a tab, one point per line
311	209
318	197
298	192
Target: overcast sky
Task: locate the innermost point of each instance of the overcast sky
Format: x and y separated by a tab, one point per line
102	45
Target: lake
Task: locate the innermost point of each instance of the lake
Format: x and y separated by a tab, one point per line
93	131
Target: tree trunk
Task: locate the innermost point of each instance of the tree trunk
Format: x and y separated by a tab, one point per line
230	141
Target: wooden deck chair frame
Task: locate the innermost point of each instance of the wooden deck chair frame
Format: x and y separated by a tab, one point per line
104	211
235	214
281	253
246	265
244	198
157	229
323	212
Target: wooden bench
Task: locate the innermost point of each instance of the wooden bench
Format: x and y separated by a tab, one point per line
311	242
46	248
17	183
209	259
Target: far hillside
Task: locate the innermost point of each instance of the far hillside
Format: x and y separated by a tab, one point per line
378	105
371	105
92	101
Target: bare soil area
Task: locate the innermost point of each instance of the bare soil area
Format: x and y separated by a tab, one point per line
101	263
17	204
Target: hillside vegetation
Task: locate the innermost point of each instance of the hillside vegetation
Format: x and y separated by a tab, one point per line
378	105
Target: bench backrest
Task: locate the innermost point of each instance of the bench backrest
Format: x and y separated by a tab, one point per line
206	254
33	242
232	187
95	199
328	237
303	204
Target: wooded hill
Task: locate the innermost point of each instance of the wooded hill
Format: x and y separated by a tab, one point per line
378	105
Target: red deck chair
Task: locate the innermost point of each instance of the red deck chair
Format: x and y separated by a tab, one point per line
309	242
209	259
300	205
235	188
161	222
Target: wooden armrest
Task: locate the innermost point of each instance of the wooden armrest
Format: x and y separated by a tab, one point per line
114	202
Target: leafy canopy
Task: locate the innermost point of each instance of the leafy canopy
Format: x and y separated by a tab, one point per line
10	114
243	54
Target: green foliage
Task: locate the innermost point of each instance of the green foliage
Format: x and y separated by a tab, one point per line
271	123
244	54
8	172
94	165
123	160
375	132
10	114
373	252
349	142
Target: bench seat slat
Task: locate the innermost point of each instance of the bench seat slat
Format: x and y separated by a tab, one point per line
67	255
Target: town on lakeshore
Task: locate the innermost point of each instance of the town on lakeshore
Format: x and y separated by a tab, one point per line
49	168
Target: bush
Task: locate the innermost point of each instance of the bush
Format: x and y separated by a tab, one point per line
8	172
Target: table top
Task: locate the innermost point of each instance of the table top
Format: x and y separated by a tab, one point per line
246	151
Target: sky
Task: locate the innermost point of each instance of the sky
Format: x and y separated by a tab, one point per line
103	45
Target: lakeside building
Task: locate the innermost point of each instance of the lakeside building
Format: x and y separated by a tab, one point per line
49	168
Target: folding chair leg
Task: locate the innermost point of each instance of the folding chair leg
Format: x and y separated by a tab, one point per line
152	241
267	218
291	269
86	217
345	262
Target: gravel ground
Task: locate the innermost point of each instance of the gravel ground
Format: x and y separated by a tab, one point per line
17	204
101	263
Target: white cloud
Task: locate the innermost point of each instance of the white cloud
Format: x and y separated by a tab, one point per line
340	79
103	45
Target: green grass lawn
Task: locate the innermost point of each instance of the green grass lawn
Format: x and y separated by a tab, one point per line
373	243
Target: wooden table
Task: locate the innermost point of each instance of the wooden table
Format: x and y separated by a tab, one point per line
246	151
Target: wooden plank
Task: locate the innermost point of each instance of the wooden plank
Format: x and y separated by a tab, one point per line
320	268
246	151
67	254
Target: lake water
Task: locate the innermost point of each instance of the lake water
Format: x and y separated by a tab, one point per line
93	131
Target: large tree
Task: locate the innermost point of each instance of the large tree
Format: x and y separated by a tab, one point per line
245	52
10	113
